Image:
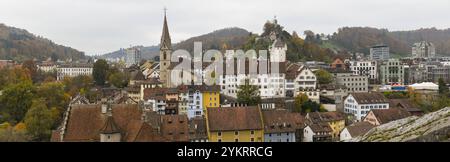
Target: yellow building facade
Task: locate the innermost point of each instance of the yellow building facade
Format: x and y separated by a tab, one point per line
235	124
210	99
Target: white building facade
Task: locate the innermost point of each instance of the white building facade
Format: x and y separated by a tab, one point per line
365	68
359	104
73	70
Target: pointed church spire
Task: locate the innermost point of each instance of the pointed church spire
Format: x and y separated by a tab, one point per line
165	38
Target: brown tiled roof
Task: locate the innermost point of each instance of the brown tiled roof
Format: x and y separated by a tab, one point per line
280	120
197	128
320	127
86	121
404	104
56	136
369	98
109	126
138	75
139	131
359	128
292	70
387	115
234	118
175	127
155	93
124	113
317	117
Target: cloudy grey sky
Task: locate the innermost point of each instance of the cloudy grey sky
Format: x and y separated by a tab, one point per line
101	26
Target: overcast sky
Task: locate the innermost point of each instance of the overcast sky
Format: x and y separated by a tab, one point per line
102	26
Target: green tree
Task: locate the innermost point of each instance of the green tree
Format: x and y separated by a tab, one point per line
13	76
248	94
443	89
299	101
55	97
16	100
118	79
323	76
39	120
32	68
72	86
311	106
100	72
13	134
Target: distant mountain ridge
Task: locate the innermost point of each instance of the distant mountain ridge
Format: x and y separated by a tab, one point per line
360	39
19	45
231	37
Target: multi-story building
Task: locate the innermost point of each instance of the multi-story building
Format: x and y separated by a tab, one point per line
423	50
383	116
379	52
365	68
195	102
359	104
73	70
133	56
281	125
235	124
438	71
320	132
392	72
47	66
334	119
354	83
270	77
156	100
299	79
415	73
211	96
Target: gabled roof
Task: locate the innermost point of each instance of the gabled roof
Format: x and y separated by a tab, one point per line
234	118
280	120
138	75
318	117
387	115
292	70
197	128
86	122
175	127
110	126
369	98
359	128
405	104
320	127
139	131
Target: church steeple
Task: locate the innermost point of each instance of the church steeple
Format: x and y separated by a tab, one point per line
165	37
165	53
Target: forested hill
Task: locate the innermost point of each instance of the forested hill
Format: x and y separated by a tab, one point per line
360	39
19	45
